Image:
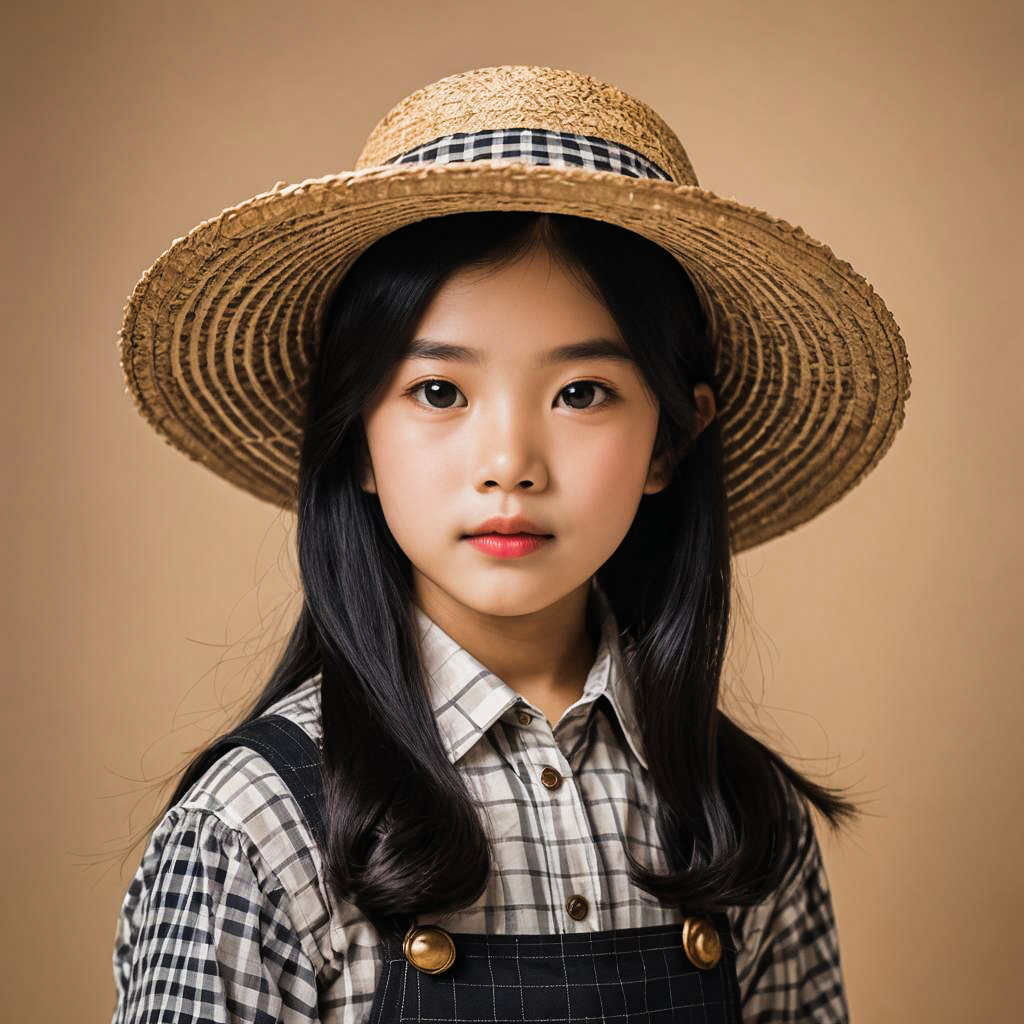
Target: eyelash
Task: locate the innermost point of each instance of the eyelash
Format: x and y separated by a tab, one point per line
612	394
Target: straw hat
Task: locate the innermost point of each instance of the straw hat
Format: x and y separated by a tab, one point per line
220	334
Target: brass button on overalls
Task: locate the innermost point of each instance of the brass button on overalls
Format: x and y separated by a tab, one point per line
429	949
701	943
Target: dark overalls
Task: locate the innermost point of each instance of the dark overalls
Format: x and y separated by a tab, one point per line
656	974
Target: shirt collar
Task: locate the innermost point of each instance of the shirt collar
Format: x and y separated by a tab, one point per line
467	698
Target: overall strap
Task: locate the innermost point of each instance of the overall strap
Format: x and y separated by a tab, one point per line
291	752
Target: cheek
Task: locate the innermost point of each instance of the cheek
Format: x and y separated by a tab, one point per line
409	481
610	474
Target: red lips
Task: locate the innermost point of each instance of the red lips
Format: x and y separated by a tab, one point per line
502	545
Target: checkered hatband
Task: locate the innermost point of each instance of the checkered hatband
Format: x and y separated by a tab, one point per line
535	146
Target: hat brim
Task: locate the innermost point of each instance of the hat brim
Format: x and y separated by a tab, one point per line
812	375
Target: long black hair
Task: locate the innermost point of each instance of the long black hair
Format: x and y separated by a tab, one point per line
403	834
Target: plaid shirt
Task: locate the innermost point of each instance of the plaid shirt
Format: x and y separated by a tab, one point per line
228	917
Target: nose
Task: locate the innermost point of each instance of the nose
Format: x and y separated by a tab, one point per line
510	451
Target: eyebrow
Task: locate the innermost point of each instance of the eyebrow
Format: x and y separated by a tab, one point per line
592	348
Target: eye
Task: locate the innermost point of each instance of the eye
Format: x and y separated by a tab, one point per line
582	389
439	389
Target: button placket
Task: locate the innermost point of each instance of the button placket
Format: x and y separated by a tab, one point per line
579	880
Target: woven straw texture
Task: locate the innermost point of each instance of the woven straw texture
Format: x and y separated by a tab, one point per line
220	334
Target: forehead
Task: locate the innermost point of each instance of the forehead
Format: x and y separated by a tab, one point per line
530	309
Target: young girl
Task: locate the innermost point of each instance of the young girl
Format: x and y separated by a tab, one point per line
528	389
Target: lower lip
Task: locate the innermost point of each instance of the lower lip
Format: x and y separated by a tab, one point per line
507	545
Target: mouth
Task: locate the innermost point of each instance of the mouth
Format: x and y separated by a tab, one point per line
507	545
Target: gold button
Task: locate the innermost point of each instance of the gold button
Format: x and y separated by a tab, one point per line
577	907
701	943
524	718
429	949
550	778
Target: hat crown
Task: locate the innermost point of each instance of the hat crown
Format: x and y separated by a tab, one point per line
523	96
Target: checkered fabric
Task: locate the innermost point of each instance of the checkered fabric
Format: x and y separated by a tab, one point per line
535	146
229	918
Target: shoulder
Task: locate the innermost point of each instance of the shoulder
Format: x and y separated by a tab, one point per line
242	788
301	706
242	805
789	948
235	847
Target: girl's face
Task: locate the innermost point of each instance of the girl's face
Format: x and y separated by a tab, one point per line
507	426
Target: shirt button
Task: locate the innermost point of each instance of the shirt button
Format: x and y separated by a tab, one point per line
524	718
577	907
550	778
701	943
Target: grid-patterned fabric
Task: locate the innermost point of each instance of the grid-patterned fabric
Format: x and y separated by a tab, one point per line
229	916
535	146
634	974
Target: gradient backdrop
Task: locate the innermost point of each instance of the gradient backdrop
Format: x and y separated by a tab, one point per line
880	643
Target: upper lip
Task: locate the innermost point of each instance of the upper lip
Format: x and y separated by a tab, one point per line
508	524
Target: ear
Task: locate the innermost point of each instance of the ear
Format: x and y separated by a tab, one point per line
660	472
367	480
704	399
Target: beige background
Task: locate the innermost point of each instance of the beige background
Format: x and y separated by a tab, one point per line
144	596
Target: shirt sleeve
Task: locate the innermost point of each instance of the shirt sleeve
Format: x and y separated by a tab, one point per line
204	935
793	971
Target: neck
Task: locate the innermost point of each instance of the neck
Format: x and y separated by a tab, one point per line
545	655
